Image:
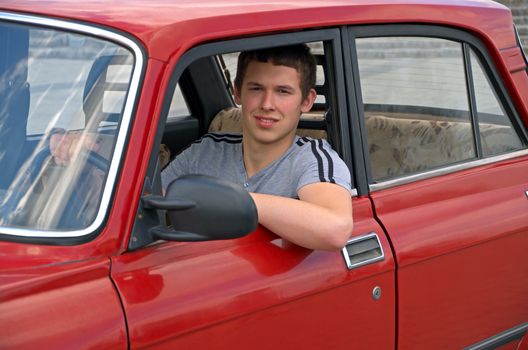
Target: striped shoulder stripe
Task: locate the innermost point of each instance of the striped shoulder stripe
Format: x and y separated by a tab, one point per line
303	140
319	161
228	138
330	162
319	152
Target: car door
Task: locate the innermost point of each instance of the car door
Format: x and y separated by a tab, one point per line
261	291
447	162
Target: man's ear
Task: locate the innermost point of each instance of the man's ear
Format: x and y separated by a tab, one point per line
308	102
238	100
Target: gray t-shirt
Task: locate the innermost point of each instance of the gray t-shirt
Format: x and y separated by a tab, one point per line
307	161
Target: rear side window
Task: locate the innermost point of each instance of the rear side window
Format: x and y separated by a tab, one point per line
496	130
419	110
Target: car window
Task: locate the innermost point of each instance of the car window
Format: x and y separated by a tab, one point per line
178	108
496	131
58	82
207	84
417	108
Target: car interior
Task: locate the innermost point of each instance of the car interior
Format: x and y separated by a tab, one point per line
214	110
401	139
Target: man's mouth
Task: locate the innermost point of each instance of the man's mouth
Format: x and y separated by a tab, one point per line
265	122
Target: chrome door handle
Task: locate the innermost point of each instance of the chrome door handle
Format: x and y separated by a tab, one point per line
363	250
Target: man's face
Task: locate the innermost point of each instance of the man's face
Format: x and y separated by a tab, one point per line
272	102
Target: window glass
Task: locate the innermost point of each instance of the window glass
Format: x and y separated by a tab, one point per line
178	108
496	131
55	82
416	104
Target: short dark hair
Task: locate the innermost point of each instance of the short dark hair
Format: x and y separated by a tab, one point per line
295	56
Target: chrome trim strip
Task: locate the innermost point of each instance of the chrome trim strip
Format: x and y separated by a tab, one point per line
365	262
501	338
124	127
446	170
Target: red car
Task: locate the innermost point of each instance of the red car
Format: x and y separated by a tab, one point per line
426	101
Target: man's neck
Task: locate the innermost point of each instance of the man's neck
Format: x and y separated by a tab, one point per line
257	155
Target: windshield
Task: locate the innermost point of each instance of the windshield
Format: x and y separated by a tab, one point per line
57	82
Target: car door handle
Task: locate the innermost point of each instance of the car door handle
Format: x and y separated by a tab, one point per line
363	250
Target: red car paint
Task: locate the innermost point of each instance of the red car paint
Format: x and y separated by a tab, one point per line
261	291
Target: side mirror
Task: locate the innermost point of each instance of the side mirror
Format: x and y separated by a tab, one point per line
203	208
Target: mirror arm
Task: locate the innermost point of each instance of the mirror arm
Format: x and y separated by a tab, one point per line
167	234
153	201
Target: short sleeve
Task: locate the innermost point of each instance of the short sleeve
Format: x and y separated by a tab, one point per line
320	163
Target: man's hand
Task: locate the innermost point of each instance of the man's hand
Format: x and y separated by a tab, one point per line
65	147
320	219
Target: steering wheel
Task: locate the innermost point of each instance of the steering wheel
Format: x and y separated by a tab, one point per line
10	213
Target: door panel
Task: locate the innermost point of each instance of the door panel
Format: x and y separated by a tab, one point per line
320	321
447	162
258	291
460	244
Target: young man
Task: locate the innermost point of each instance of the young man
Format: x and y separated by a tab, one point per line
301	187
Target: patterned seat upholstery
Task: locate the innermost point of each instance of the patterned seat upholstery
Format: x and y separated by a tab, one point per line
400	145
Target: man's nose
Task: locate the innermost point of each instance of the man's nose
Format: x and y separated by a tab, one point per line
267	100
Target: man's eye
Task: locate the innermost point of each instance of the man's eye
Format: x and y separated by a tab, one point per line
285	91
255	88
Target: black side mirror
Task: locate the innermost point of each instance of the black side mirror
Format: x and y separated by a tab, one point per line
203	208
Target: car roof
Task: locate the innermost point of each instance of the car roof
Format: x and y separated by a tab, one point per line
189	22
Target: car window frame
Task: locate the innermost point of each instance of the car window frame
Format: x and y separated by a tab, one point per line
81	236
341	134
468	41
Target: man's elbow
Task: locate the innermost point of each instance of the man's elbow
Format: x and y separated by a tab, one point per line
340	234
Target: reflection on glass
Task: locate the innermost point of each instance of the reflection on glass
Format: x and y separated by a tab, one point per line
55	82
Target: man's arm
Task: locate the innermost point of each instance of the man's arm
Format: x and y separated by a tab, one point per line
320	219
